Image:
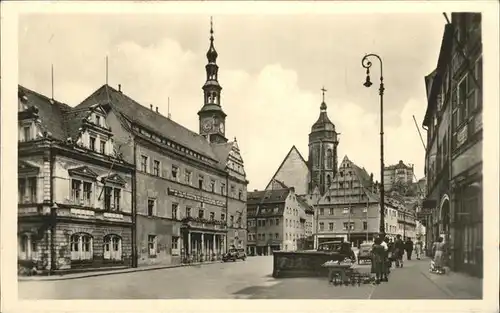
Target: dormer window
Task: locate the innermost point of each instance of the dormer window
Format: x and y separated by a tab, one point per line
98	120
92	143
102	146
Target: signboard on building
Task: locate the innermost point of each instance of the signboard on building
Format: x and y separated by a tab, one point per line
190	196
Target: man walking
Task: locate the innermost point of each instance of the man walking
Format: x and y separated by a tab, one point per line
399	247
409	248
418	248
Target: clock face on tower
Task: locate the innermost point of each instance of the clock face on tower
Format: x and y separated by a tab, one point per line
221	128
207	125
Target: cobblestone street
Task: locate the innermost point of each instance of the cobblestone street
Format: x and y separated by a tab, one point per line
250	279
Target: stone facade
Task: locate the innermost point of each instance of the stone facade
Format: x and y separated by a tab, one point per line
74	194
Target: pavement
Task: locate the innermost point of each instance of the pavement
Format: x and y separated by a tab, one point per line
250	279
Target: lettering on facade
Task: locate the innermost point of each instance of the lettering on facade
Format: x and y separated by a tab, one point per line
189	196
82	213
113	216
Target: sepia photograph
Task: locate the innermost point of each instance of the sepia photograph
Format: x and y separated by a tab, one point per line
246	155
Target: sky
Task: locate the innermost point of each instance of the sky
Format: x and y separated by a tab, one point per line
272	70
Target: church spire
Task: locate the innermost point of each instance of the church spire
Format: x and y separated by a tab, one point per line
323	104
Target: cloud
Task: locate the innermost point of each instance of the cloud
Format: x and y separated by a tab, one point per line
271	96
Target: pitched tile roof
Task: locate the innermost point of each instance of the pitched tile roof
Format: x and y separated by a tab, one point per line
221	150
283	162
135	112
51	112
267	196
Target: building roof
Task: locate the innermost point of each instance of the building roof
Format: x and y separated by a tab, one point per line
283	162
58	118
141	115
267	196
51	112
398	166
323	123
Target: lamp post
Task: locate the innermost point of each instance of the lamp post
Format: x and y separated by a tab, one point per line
366	63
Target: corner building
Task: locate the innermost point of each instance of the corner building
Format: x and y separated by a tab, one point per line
191	188
75	191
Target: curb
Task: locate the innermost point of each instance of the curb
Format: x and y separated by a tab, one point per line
115	272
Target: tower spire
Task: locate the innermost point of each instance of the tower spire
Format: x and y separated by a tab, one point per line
323	104
212	53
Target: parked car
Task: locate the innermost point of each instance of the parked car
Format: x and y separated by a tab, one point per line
364	252
234	254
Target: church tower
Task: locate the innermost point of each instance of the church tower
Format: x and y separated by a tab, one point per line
212	118
323	142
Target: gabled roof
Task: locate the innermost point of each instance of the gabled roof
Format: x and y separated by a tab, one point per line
283	162
309	209
222	150
267	196
141	115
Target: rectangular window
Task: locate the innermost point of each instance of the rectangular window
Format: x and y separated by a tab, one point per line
175	244
144	163
277	222
107	198
321	211
116	198
276	236
98	120
156	168
87	193
188	212
365	225
231	220
212	216
174	210
102	146
240	194
151	207
331	211
462	100
321	226
27	133
187	177
330	226
152	245
92	143
21	189
32	189
346	211
212	185
222	189
201	213
175	171
233	191
346	225
76	190
222	217
200	182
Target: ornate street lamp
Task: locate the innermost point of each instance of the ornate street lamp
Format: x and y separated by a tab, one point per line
366	63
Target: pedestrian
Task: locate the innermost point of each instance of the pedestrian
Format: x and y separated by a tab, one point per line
409	248
438	250
387	265
378	266
399	248
418	248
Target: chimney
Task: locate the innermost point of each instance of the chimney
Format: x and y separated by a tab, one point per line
120	87
157	110
151	107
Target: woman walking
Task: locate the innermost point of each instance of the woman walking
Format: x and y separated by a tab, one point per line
378	260
438	251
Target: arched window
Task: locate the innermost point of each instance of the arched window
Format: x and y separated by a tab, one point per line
317	155
81	246
112	247
214	97
329	159
328	180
